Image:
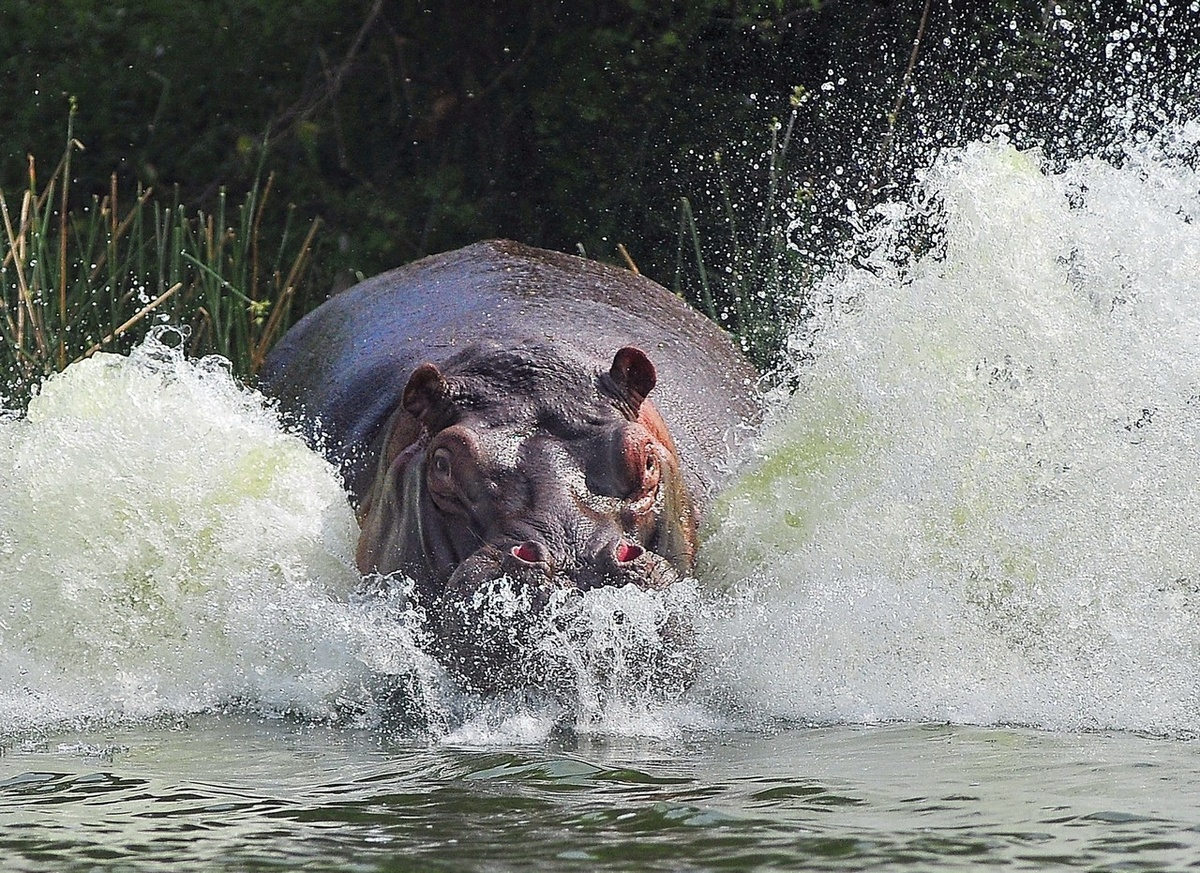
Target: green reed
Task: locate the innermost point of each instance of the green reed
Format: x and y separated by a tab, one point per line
76	280
757	294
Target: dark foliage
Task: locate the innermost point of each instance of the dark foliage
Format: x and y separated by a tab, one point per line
705	136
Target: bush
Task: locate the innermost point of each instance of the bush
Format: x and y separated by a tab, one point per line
413	128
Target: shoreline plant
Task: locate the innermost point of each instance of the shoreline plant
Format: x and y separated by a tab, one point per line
75	280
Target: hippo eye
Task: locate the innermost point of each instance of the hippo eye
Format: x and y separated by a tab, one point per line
630	467
440	468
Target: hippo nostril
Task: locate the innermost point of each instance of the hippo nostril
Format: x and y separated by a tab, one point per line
627	552
529	552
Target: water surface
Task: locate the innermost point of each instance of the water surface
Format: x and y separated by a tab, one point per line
236	793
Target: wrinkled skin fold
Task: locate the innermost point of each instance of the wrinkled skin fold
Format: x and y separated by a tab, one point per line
496	414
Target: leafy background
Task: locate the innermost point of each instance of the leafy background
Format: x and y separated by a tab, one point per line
729	146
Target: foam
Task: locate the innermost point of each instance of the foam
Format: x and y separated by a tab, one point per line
981	505
166	547
978	507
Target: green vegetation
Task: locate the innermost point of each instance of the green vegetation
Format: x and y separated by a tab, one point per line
78	280
731	148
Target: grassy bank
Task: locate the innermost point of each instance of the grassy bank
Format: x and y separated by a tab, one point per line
78	278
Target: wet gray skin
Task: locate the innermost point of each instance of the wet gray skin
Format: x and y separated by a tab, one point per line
508	413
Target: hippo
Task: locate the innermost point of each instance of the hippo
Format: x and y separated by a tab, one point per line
502	411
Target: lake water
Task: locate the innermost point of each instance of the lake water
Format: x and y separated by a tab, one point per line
241	794
949	610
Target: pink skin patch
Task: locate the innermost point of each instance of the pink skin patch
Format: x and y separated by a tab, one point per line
628	552
527	552
531	554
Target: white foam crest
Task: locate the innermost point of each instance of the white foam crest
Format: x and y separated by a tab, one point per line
613	662
165	547
506	723
982	504
627	655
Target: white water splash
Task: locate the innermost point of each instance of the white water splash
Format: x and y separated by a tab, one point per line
983	504
165	547
980	507
613	662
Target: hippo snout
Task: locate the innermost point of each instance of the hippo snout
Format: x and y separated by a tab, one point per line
490	621
536	569
624	563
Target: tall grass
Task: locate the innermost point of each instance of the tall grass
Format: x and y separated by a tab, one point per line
757	291
75	280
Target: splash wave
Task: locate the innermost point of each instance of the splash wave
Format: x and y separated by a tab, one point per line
981	505
166	547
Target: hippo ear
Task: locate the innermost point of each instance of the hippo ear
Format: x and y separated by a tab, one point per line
633	375
426	390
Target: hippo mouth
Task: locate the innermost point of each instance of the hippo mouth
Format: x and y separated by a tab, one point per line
492	619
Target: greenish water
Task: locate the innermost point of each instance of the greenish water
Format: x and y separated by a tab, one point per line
239	794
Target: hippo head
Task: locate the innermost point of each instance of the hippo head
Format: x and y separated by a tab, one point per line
530	466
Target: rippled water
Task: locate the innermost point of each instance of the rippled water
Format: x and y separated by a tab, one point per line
235	794
949	613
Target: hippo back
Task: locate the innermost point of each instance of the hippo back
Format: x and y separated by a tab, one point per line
342	369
